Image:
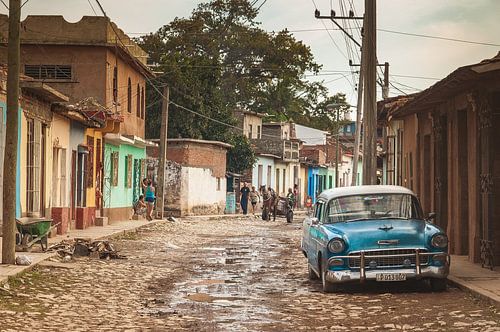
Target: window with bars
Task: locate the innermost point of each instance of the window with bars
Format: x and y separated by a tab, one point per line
33	151
129	96
115	84
138	98
143	104
114	168
49	72
59	177
390	173
128	170
90	163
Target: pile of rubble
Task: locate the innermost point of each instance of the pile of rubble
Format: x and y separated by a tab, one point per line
80	247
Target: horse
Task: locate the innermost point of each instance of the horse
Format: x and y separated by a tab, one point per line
269	202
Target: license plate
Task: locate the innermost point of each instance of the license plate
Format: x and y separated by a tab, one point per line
390	277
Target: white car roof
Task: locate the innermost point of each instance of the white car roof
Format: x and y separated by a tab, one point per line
363	190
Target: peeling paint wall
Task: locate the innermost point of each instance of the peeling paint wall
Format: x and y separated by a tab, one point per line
193	191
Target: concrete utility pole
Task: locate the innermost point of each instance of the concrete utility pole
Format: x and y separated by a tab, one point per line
370	97
385	87
337	148
357	138
163	153
11	136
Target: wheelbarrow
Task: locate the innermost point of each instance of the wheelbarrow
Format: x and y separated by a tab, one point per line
33	231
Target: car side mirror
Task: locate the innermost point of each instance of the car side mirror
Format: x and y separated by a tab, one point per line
431	216
314	221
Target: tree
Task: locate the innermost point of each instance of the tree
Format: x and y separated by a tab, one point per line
241	156
324	116
219	59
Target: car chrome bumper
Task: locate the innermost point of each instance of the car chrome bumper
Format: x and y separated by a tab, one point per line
416	272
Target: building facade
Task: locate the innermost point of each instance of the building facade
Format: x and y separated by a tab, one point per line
440	144
94	63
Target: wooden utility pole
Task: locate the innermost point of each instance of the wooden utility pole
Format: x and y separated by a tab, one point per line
11	136
357	138
370	96
160	199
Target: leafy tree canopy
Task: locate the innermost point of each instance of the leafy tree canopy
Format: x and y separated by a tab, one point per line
242	156
219	59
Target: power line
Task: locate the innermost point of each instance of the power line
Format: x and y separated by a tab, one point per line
329	34
438	37
262	4
90	4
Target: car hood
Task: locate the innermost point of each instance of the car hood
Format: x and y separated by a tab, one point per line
365	234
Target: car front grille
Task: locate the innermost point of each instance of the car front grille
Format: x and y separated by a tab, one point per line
387	258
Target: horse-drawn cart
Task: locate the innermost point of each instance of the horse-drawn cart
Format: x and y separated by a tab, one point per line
277	206
284	208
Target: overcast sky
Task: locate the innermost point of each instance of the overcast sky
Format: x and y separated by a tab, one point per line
476	20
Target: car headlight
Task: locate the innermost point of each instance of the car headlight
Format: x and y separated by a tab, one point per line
439	240
336	245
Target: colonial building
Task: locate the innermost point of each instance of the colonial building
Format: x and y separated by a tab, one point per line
45	174
441	144
94	59
195	177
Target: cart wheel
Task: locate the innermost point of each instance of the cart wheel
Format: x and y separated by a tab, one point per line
25	240
289	216
44	242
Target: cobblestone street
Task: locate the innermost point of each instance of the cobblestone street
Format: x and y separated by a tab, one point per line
221	275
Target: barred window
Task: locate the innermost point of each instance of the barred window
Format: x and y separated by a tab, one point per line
44	72
114	168
128	171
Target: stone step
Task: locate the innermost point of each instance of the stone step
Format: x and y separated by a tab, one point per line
101	221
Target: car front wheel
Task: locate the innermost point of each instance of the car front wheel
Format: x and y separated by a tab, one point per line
438	285
328	287
310	273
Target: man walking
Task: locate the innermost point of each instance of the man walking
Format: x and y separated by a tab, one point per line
244	191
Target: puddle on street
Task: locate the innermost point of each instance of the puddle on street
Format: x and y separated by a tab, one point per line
222	285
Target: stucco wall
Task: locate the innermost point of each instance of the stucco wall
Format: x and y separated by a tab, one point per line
193	191
132	124
119	196
202	194
265	162
61	139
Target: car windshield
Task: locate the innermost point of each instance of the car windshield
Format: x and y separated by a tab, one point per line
373	206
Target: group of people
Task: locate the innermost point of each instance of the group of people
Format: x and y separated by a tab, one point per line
146	202
256	196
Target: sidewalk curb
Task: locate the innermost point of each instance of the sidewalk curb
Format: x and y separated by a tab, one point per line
476	291
28	268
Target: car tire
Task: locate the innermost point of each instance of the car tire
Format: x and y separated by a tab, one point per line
310	273
438	285
328	287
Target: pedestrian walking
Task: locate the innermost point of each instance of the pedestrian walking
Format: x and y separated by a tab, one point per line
296	195
254	198
244	191
150	199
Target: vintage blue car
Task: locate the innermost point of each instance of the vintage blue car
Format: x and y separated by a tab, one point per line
373	233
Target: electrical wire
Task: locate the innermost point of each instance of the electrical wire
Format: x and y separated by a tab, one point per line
90	4
329	34
439	37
